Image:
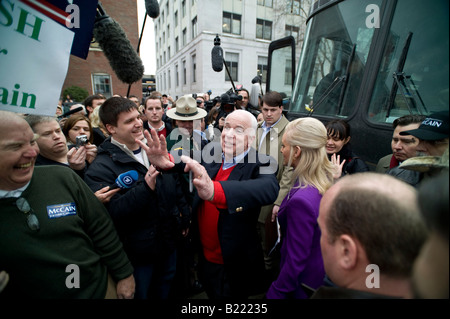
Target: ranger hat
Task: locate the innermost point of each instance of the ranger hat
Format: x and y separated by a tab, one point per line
433	128
186	110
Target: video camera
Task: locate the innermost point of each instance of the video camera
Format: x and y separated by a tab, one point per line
228	101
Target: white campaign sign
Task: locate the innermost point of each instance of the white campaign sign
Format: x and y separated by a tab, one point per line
34	58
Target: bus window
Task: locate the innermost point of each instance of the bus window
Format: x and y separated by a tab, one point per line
413	74
281	57
333	60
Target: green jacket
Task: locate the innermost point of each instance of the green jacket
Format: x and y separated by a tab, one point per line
271	146
75	231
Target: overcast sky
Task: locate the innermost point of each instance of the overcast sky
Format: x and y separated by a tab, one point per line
147	48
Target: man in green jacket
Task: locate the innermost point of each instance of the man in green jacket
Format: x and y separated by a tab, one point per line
56	238
268	141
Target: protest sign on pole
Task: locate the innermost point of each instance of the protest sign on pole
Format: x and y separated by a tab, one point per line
34	58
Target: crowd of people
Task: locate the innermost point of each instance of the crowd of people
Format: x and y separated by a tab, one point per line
227	198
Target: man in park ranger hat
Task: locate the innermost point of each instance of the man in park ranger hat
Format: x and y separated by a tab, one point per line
188	119
186	136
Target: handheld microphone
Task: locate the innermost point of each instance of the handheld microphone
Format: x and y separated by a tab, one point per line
112	39
125	180
152	8
217	55
75	110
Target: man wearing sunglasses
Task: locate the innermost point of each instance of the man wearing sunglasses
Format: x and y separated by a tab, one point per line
56	238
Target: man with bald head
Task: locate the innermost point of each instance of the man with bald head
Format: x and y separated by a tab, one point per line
51	220
372	232
232	182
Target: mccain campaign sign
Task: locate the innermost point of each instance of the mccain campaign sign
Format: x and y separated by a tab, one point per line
34	56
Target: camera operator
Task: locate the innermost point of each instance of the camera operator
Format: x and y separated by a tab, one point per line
245	103
227	105
200	101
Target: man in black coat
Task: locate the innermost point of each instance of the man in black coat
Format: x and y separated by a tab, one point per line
148	216
232	184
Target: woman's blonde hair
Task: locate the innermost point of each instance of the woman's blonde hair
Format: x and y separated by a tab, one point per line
314	168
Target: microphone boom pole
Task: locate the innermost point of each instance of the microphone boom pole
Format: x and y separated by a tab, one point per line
229	75
138	46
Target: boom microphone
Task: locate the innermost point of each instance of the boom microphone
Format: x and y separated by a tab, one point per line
256	79
217	55
75	110
152	8
125	180
112	39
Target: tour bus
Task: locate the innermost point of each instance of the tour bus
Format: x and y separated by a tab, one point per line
368	62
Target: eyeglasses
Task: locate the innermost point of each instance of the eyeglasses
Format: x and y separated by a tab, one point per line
32	220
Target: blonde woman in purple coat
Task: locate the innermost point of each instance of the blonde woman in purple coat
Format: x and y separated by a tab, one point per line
303	148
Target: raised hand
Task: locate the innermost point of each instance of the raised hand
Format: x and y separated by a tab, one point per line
335	160
156	149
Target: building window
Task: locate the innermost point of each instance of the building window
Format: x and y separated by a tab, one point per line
164	82
194	27
263	29
177	45
292	30
168	53
170	80
293	7
231	23
177	76
102	84
175	18
232	62
164	54
183	8
288	73
262	68
184	72
168	31
184	37
194	68
265	3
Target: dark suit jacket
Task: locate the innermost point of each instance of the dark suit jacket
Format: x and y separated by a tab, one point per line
251	184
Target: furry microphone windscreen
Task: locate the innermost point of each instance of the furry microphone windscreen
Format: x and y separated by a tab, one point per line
152	8
123	59
217	58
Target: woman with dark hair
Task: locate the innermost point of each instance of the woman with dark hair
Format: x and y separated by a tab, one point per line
78	125
339	150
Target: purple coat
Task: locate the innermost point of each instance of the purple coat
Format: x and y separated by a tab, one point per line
301	258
